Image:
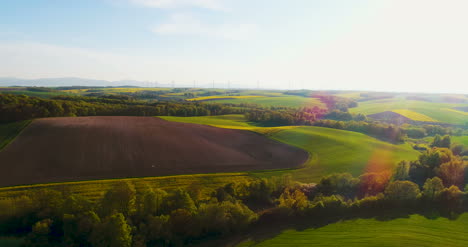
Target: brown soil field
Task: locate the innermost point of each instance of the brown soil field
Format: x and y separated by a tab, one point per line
85	148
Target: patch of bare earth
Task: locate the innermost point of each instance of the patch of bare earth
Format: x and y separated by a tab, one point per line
82	148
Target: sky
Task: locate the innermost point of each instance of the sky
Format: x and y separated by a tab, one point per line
379	45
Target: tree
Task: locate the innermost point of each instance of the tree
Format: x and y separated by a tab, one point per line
452	173
451	199
401	191
39	235
113	232
295	200
437	141
179	199
402	171
343	184
445	142
121	198
150	202
373	183
432	188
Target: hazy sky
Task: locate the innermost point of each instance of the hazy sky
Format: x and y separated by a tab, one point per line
396	45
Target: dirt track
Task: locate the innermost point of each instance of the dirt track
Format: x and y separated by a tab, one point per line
81	148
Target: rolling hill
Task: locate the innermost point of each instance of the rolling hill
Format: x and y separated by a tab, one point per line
81	148
331	150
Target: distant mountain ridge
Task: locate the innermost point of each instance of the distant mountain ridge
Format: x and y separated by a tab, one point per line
68	81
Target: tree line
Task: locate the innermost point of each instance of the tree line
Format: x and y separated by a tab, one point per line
126	215
21	107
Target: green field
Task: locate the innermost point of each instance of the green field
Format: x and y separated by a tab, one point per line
9	131
227	121
331	150
460	139
287	101
437	111
413	231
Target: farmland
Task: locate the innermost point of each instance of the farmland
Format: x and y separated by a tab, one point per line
461	140
358	152
414	115
223	97
286	101
118	147
9	131
413	231
436	111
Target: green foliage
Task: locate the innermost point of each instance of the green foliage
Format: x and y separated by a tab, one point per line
432	188
293	199
113	231
121	198
402	191
402	171
343	184
442	142
179	199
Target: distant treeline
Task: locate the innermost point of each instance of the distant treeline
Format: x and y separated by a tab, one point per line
148	216
334	119
20	107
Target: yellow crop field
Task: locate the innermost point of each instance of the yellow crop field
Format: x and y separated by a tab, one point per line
414	115
224	97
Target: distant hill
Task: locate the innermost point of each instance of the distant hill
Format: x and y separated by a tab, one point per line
70	81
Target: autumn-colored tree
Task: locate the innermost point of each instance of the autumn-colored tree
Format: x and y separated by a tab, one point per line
453	173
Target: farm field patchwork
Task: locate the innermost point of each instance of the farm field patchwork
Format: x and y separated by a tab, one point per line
436	111
413	231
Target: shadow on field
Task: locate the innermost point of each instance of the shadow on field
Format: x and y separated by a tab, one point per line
269	228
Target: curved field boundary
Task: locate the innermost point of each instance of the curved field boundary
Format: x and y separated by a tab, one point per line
9	131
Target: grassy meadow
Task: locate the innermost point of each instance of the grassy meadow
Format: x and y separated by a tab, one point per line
413	231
